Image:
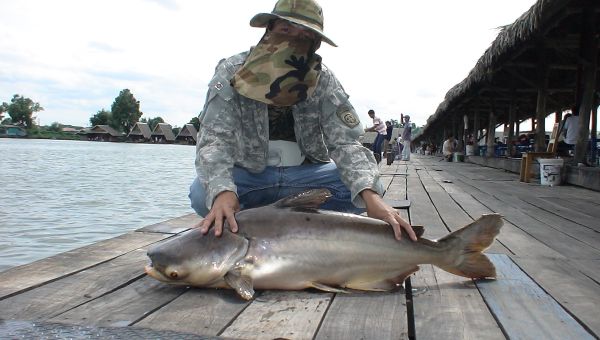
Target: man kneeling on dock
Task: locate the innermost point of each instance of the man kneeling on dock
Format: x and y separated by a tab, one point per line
266	137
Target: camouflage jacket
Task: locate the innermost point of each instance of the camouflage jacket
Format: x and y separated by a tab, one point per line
234	131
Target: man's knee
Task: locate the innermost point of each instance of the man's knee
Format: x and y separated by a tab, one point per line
198	198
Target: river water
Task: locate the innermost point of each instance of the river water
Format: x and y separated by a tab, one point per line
59	195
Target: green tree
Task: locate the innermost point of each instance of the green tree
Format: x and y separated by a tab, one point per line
21	110
56	127
125	111
100	118
153	122
196	122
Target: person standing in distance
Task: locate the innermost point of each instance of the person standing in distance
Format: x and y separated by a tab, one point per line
406	138
381	129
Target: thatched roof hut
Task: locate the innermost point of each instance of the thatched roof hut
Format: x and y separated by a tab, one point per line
104	133
187	134
163	133
534	67
140	132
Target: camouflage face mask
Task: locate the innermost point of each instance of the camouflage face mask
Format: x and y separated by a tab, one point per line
280	70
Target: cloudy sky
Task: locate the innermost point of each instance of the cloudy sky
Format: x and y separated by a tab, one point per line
74	57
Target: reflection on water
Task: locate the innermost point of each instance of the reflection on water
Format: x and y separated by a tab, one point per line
60	195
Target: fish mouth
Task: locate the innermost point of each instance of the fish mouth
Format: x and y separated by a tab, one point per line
150	271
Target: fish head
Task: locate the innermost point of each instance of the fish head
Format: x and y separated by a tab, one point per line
196	259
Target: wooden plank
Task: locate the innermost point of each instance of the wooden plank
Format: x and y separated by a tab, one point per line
450	307
281	314
368	315
197	311
422	210
173	226
452	214
580	205
502	203
59	296
576	292
51	268
124	306
589	268
514	239
523	309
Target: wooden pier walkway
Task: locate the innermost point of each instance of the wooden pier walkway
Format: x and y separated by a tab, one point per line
547	257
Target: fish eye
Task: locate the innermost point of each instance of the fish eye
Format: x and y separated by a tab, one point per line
174	275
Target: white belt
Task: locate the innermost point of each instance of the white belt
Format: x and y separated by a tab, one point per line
284	153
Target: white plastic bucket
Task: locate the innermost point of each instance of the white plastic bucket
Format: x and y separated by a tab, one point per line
550	171
470	150
458	157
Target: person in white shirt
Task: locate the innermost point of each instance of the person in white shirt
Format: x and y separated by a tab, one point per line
448	148
571	129
380	127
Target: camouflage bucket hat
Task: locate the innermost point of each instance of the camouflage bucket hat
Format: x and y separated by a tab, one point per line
306	13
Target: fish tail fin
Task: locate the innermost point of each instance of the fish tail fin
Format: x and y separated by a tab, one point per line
467	245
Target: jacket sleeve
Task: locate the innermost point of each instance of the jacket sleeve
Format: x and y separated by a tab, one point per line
342	129
217	142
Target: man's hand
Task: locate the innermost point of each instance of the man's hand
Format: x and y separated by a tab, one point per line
224	207
377	208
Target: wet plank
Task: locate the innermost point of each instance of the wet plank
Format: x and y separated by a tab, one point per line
197	311
36	273
514	239
524	309
368	315
555	239
124	306
450	307
452	214
281	314
71	291
574	291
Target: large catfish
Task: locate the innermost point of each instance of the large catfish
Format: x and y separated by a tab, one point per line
292	245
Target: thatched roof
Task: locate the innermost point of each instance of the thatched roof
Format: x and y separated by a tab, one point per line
165	130
140	129
104	130
188	131
509	68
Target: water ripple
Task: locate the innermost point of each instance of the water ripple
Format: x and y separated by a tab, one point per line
61	195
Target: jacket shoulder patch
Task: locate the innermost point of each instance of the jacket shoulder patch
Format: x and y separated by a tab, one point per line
347	116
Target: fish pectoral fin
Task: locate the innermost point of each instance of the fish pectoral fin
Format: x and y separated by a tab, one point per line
241	284
327	288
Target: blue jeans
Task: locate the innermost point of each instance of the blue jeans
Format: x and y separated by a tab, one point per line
378	143
275	183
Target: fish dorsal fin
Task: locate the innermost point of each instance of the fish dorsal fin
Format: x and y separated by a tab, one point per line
418	229
312	198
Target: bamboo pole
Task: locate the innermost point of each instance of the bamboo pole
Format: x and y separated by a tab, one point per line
589	54
540	111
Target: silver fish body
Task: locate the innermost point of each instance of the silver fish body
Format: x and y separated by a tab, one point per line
292	245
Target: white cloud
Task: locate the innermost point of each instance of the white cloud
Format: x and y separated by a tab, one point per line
75	56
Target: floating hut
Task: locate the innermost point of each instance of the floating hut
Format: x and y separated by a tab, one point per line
187	135
12	131
140	133
163	133
104	133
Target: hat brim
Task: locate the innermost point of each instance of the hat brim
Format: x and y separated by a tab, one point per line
262	20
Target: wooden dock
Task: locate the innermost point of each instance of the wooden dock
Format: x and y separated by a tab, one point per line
547	257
